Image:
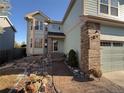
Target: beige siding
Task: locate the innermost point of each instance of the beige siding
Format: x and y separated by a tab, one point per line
8	35
71	28
112	33
91	7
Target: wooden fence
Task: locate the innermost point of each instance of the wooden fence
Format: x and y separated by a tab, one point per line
16	53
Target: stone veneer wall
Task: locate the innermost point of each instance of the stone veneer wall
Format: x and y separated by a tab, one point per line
90	47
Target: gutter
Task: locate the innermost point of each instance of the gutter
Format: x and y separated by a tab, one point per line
102	20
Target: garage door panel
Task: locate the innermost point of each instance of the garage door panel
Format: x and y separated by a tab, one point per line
107	69
112	58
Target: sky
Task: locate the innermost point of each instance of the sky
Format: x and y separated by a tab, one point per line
55	9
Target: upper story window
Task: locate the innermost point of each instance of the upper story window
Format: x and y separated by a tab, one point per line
41	25
56	27
36	25
109	7
31	25
114	7
104	6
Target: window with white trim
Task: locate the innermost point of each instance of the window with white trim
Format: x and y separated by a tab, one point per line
38	43
36	25
41	25
114	7
109	7
104	6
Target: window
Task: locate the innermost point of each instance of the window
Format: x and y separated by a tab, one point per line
55	45
118	44
114	7
30	25
109	7
56	27
38	43
41	25
105	43
36	25
104	8
31	43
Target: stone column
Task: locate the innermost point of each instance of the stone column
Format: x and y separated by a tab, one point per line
90	47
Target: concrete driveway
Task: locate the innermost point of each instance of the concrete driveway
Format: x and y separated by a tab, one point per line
116	77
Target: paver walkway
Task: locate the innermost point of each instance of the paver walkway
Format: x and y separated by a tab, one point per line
63	81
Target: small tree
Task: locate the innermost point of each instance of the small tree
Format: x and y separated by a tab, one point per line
72	59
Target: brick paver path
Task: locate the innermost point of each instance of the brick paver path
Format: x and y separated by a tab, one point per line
63	81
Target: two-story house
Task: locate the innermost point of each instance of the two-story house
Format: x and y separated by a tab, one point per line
42	30
7	34
93	28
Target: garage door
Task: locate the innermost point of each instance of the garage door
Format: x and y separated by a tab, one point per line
112	56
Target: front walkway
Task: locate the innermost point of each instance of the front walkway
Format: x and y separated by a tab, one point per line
117	77
64	82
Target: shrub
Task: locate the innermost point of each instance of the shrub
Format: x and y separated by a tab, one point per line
72	59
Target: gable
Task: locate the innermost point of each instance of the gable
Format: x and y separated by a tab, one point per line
39	17
5	24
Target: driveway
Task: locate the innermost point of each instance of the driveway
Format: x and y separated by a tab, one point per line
116	77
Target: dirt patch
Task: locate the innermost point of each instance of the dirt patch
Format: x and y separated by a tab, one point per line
7	81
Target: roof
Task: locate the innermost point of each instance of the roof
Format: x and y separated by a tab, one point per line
56	33
72	2
102	20
30	15
9	22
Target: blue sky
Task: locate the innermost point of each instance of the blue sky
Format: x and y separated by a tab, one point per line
55	9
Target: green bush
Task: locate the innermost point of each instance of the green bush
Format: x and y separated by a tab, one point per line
72	59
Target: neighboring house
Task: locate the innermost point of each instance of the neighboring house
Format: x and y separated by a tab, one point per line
7	34
93	28
40	32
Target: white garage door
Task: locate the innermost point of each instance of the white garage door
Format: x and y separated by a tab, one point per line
112	56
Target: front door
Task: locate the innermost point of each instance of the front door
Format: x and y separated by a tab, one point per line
55	45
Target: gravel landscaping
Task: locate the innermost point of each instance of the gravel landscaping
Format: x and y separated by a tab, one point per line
62	77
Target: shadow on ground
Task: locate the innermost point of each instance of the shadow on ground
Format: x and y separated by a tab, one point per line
5	90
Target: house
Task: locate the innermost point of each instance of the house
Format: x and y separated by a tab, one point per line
40	31
93	28
7	34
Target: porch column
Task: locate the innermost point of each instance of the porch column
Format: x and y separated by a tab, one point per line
90	47
50	45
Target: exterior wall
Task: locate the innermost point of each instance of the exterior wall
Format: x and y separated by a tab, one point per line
61	46
7	37
121	9
112	33
34	34
71	28
92	7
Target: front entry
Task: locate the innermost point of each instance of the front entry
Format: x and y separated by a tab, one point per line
55	45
